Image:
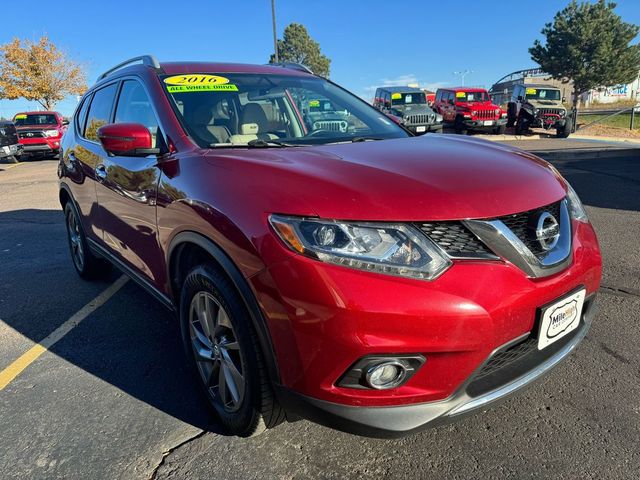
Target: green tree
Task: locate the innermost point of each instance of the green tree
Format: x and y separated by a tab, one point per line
589	44
38	71
297	46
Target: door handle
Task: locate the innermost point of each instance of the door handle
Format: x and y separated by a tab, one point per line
101	173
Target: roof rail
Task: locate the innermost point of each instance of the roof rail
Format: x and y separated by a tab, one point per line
293	66
148	60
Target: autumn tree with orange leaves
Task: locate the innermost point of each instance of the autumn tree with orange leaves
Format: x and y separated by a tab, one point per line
38	71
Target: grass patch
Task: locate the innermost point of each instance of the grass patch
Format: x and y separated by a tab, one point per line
619	121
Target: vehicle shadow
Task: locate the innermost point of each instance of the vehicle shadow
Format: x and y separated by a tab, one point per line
131	342
604	182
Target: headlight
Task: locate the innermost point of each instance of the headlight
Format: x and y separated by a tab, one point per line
576	209
497	111
474	113
389	248
438	118
51	133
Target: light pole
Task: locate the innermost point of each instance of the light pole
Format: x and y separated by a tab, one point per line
463	74
275	35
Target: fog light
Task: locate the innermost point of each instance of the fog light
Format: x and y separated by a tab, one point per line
385	375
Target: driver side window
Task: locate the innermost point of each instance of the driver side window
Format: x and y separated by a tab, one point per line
134	107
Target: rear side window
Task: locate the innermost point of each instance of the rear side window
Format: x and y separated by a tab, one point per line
81	116
134	106
100	111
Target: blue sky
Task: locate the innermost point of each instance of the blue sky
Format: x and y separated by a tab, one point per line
370	42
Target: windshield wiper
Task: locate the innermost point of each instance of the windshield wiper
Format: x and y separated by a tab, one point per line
255	143
364	139
261	143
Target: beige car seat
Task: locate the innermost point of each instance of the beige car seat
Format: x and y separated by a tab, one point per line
253	125
203	125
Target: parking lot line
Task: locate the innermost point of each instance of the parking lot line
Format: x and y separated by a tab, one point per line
7	167
12	371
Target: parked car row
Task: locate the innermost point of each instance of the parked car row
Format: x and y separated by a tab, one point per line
32	134
472	109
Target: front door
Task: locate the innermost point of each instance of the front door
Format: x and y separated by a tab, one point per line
127	190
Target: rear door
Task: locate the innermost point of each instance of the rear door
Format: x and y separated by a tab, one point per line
85	153
127	190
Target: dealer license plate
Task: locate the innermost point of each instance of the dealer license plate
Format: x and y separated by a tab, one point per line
560	318
6	150
486	123
421	129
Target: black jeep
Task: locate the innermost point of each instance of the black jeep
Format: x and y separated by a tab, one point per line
538	106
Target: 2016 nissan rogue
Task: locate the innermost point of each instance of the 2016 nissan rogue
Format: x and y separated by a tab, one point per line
353	275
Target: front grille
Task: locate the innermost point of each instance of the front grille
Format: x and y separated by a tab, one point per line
486	114
506	357
523	225
516	360
419	119
31	134
553	111
331	125
455	239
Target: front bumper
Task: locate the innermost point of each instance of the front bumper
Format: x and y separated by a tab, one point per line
401	420
323	318
482	124
40	146
10	150
420	129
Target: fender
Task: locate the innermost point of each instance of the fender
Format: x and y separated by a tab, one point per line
257	319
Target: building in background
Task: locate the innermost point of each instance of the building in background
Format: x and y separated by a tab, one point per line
613	94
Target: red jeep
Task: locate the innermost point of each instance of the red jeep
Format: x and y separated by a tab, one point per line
40	133
469	109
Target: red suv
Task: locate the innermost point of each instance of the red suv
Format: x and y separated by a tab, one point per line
40	133
359	277
470	109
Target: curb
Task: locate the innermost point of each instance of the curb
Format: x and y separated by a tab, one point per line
586	153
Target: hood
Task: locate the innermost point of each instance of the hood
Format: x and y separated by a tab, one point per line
433	177
480	105
52	126
413	109
546	103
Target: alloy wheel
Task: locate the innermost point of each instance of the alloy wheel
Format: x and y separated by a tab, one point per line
75	240
217	351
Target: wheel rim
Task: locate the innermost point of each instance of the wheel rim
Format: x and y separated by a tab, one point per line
75	240
216	351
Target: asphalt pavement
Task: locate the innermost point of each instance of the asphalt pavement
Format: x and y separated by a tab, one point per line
111	399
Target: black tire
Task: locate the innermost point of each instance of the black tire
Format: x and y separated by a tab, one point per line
84	261
257	410
512	114
564	131
521	126
459	126
500	130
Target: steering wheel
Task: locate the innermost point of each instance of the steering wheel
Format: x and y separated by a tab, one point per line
320	133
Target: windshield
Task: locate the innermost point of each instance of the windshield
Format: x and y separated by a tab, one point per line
235	109
472	96
412	98
30	119
543	94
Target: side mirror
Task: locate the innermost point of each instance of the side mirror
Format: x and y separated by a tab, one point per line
127	139
65	122
520	98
